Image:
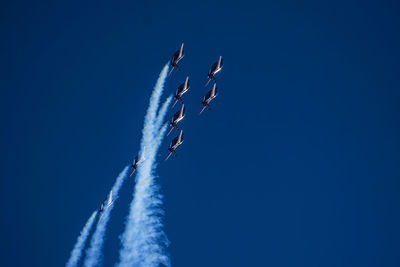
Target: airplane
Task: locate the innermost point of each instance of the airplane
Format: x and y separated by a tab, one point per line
183	88
136	161
102	204
109	202
178	116
176	57
215	68
208	97
177	141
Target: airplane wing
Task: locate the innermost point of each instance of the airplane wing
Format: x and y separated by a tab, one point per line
214	91
180	54
180	89
175	56
174	141
208	95
110	200
181	51
176	115
213	67
180	137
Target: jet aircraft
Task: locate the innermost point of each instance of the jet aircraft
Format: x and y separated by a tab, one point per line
176	57
210	95
104	205
183	88
136	162
177	141
215	68
178	116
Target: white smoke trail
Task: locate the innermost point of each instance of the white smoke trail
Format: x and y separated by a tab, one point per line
80	242
161	114
161	134
94	255
143	241
149	120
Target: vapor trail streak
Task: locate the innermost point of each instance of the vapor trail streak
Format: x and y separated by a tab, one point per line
80	242
94	255
143	241
162	113
148	129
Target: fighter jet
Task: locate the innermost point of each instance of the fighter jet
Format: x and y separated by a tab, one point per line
183	88
102	204
208	97
136	162
109	202
177	141
215	68
178	116
176	57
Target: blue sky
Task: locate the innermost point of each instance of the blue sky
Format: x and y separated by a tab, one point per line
297	163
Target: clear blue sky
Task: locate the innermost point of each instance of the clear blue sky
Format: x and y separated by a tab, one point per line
297	164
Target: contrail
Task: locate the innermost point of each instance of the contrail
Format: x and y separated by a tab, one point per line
143	242
94	255
162	113
148	129
80	242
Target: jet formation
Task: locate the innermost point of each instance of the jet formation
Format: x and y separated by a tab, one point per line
182	89
178	116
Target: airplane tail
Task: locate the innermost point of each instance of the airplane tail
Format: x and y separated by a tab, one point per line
209	80
132	172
